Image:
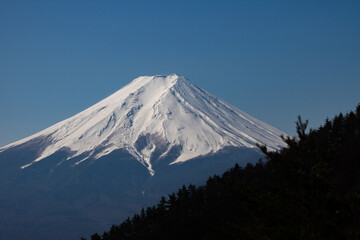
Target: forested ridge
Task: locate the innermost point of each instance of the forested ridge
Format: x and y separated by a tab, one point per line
309	190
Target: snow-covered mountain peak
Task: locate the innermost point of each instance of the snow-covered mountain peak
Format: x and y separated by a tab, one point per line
155	114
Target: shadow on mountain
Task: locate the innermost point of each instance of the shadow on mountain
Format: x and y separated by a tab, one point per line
58	199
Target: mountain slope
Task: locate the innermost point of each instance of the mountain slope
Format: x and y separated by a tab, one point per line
169	109
101	165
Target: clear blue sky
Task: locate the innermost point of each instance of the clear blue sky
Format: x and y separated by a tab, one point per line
272	59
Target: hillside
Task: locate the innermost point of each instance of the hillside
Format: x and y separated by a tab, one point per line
309	190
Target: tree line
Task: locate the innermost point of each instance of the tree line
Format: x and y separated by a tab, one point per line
308	190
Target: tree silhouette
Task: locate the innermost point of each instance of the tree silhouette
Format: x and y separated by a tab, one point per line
309	190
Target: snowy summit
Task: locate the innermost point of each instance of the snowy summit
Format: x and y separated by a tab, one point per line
169	111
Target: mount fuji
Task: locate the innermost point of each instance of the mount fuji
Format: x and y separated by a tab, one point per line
97	167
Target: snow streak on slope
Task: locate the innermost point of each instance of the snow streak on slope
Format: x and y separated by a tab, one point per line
170	108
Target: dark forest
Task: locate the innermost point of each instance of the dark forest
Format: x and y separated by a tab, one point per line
309	190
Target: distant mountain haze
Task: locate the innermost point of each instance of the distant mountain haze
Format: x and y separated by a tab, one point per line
103	164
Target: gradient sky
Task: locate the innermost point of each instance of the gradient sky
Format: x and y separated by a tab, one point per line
272	59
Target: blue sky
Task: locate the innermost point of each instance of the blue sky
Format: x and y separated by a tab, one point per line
272	59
